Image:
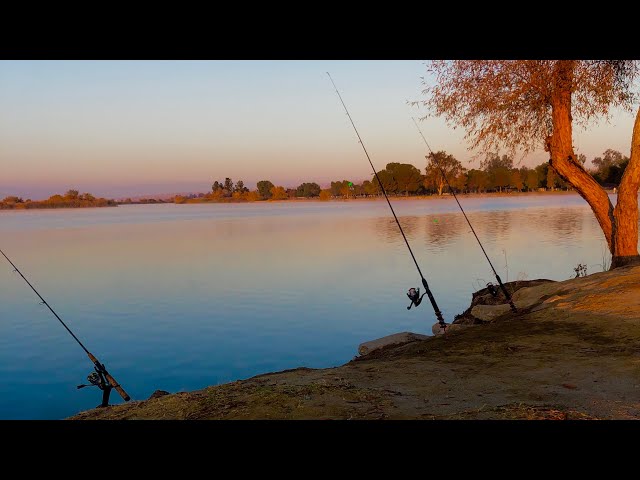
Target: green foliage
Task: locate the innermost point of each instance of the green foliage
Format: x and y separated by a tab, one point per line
609	168
342	188
541	170
240	188
551	178
346	189
335	188
407	177
308	190
477	180
436	163
388	182
370	188
264	188
499	177
498	168
395	178
615	173
494	160
459	182
292	193
516	179
531	180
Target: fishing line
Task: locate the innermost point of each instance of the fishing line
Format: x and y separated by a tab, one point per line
101	378
414	295
502	287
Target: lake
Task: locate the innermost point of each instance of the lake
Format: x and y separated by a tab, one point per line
179	297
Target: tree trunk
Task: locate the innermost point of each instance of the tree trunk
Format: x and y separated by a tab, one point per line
563	160
625	235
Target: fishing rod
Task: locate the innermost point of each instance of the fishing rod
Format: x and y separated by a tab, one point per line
490	286
414	294
100	378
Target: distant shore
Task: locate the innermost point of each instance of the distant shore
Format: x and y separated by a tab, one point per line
392	198
44	204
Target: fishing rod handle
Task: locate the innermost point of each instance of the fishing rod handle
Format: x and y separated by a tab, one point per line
433	302
112	381
506	294
125	396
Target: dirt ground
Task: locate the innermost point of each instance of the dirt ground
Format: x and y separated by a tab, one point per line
572	352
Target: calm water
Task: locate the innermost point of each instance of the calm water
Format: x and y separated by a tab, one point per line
179	297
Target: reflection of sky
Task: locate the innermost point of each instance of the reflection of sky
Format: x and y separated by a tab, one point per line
183	296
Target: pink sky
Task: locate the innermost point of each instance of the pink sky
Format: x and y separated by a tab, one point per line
128	128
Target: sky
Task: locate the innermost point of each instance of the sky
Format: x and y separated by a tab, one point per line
128	128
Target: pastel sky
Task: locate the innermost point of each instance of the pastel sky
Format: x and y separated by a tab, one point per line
124	128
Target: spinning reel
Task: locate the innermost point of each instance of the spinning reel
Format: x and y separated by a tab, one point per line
97	379
414	296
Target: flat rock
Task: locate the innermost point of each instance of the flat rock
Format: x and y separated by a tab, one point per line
449	327
395	339
527	297
488	313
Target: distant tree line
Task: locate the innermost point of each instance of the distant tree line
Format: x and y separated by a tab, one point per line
497	173
71	199
145	201
225	191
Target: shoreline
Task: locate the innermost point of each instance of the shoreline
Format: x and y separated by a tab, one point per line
316	199
392	198
569	353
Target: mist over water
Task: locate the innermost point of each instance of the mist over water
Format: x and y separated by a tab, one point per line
179	297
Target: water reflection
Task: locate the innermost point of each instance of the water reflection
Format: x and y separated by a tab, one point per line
495	226
441	230
181	297
507	227
387	228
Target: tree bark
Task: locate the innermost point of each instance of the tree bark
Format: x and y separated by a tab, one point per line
440	184
563	160
625	237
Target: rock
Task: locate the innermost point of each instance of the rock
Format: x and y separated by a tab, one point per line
483	297
466	319
450	327
437	329
395	339
158	394
455	327
488	313
527	297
